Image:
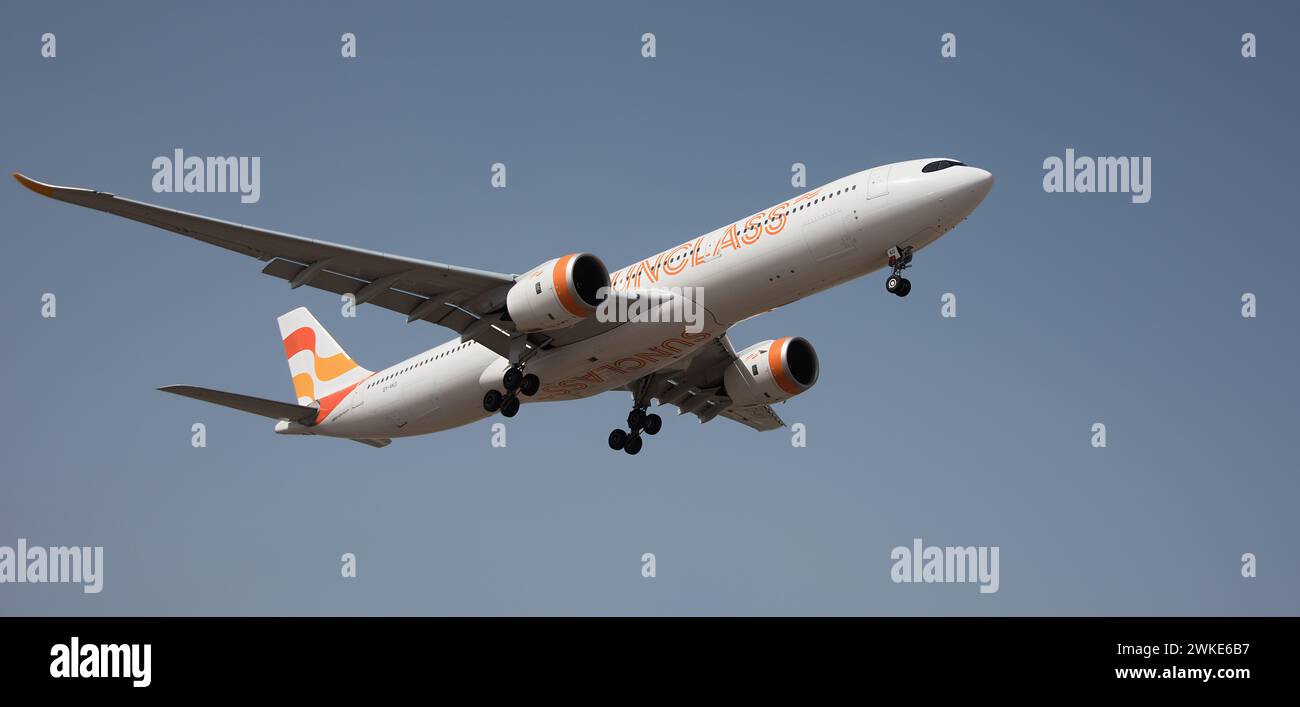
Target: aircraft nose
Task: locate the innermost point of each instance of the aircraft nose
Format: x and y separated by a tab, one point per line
978	180
971	185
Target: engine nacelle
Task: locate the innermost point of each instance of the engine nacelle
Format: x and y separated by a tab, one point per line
771	371
558	293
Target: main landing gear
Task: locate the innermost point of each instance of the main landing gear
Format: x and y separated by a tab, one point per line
899	260
515	381
637	422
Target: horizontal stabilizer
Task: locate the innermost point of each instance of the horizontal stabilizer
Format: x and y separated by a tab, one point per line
273	409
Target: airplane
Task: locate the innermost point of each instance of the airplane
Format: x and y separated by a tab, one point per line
537	337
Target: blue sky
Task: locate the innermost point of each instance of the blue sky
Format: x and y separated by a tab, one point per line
1072	308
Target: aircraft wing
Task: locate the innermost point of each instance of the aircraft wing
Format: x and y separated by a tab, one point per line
455	297
696	388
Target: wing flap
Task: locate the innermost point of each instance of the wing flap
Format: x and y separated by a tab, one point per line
391	299
760	417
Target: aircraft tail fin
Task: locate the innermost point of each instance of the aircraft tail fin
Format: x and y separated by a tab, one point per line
319	366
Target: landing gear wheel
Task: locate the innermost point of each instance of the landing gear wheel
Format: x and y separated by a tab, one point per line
492	400
653	423
510	407
904	286
512	379
893	283
617	439
530	385
636	419
633	443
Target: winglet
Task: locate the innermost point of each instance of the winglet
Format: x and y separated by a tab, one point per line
38	187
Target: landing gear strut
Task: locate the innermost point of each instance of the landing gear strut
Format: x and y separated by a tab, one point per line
638	422
899	260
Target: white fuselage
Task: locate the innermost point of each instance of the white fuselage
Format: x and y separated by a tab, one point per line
831	234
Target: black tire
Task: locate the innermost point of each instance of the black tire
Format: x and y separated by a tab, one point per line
512	378
530	385
510	407
653	423
492	400
617	439
636	419
904	287
633	444
892	283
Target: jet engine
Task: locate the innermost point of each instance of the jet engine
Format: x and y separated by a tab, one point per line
771	371
557	294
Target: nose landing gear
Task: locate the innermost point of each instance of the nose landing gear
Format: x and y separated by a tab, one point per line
899	260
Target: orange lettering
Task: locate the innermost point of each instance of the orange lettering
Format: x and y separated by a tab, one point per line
672	268
728	237
776	219
619	364
697	258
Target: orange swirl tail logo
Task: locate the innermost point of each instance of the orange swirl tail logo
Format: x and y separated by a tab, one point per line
320	368
324	369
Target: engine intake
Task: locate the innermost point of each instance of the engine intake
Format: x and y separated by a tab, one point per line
772	371
558	293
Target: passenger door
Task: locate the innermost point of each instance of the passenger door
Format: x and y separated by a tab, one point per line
878	182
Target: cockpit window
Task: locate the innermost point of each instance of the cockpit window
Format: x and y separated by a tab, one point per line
941	164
